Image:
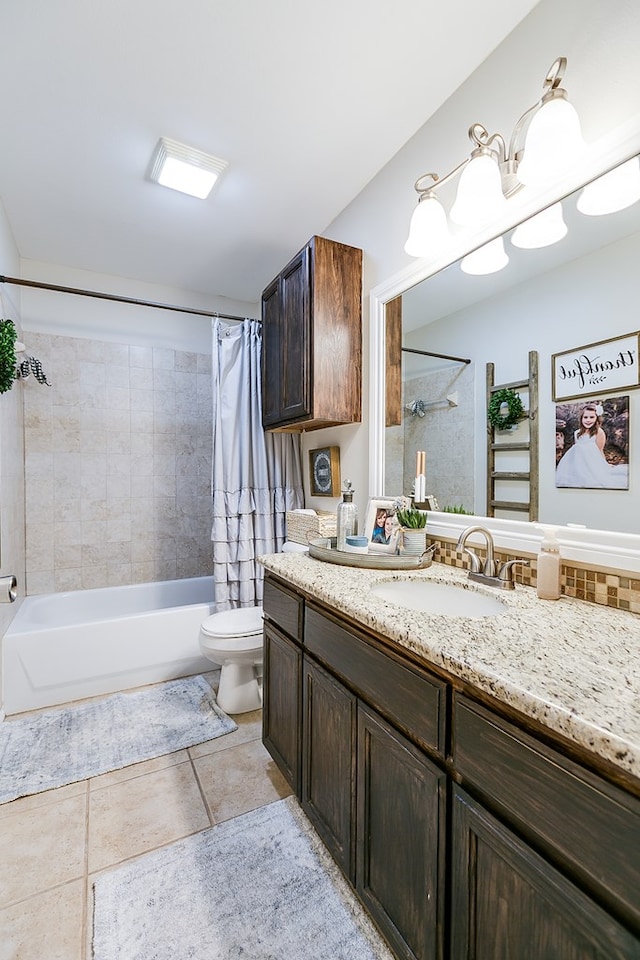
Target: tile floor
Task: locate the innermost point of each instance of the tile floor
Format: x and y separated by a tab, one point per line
53	844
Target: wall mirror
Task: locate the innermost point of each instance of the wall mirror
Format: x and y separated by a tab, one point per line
579	291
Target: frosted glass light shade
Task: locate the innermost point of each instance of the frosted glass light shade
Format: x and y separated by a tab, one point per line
487	259
479	199
613	191
428	228
553	143
542	230
184	168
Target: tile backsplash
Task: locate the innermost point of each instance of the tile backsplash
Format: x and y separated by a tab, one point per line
117	464
606	587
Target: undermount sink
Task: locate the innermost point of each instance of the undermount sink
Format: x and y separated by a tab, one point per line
445	599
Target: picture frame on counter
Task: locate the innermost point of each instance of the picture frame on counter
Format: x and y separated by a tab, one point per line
381	527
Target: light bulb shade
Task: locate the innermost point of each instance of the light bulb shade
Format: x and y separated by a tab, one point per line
553	143
542	230
428	228
613	191
487	259
479	199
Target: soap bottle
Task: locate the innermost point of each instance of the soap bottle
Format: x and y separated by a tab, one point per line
548	578
347	517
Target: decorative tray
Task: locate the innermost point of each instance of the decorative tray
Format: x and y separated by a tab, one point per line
372	561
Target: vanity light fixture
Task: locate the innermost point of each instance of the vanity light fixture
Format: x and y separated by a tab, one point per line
612	191
184	168
545	141
542	230
486	259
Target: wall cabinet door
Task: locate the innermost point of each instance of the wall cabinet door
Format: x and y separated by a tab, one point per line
282	709
508	903
400	845
328	774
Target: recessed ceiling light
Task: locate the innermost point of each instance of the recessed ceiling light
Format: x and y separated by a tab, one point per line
184	168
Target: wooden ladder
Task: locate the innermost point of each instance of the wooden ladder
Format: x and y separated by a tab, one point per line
529	447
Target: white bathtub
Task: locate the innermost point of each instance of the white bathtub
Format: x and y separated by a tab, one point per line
66	646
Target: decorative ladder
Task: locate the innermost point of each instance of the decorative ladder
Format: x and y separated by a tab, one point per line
530	447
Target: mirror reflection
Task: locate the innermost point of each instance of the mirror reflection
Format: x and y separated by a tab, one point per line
580	291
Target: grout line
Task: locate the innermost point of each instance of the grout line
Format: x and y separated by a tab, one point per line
212	820
85	894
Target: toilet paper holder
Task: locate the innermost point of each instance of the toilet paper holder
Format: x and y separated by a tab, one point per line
8	589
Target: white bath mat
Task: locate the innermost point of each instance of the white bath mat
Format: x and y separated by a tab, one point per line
257	887
62	746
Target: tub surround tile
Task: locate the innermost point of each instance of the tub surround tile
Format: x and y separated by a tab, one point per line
573	666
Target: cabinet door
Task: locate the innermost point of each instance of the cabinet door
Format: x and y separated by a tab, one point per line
328	775
295	332
508	903
400	844
271	354
281	715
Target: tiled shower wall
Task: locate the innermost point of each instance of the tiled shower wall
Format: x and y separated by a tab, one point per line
118	464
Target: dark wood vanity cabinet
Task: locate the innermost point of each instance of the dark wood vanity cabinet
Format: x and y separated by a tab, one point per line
464	836
312	339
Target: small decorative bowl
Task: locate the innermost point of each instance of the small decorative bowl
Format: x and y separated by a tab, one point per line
356	544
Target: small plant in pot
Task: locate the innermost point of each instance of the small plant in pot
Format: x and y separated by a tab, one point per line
414	534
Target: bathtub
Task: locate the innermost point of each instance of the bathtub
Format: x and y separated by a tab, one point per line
67	646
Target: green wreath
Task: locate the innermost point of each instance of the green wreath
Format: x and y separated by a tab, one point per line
515	409
7	355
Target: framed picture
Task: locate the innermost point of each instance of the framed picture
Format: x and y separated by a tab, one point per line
324	472
596	368
381	527
592	444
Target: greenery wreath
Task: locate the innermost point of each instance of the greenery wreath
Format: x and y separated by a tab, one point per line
515	409
7	355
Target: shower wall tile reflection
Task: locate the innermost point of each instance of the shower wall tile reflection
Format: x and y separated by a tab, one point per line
118	465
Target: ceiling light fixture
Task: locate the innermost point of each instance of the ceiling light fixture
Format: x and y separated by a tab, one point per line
545	142
184	168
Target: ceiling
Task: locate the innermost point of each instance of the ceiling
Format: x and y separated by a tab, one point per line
306	102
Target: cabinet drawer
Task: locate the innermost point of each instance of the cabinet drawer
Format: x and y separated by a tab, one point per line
412	700
283	608
577	818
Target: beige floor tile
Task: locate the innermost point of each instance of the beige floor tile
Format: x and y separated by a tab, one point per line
41	848
249	728
49	925
138	770
24	804
240	779
134	816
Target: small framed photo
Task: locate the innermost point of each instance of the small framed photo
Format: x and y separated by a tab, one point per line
324	472
381	528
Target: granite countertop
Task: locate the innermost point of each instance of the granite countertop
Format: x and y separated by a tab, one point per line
571	665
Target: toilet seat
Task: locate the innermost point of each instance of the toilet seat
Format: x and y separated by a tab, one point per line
243	623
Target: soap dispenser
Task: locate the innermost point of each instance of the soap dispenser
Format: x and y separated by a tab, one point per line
548	577
347	517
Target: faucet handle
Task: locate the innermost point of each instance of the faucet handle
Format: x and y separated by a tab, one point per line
506	570
476	565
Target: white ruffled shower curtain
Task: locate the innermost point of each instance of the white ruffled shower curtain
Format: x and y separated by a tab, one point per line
256	475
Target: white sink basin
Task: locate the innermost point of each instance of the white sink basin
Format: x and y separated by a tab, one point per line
439	598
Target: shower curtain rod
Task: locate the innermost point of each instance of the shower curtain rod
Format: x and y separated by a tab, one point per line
119	299
440	356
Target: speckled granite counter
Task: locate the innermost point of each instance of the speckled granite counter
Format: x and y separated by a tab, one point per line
571	665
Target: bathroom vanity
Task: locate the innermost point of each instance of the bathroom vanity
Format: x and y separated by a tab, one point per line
476	779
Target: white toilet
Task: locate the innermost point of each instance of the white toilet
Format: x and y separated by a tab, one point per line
233	640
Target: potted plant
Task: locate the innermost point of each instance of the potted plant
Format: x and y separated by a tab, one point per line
414	534
7	355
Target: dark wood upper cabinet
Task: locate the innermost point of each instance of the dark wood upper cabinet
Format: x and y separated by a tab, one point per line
312	339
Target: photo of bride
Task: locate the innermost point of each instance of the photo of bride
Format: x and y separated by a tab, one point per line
592	444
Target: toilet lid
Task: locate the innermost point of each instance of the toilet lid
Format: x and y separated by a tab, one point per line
242	622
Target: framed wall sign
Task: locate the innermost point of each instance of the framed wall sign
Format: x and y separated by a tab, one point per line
596	368
324	472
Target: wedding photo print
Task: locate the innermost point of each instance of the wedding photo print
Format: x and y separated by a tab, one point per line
592	444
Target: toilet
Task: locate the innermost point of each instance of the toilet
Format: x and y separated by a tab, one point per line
233	640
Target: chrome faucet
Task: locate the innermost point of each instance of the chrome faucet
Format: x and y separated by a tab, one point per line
489	573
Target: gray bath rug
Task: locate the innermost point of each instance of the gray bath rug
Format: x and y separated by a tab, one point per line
258	887
62	746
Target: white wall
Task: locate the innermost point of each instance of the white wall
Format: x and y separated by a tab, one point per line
603	82
12	538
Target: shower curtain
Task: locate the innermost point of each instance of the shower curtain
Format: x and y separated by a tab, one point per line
256	475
